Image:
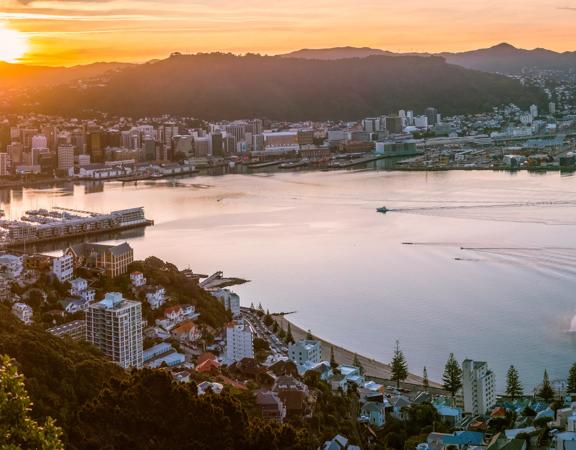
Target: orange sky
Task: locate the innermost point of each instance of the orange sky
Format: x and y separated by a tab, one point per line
68	32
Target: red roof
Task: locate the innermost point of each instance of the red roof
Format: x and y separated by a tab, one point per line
208	366
205	357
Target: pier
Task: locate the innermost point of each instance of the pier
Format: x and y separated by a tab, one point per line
62	223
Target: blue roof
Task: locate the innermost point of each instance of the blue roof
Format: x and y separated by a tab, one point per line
465	438
172	359
158	349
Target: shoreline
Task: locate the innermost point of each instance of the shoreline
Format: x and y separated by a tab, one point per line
373	369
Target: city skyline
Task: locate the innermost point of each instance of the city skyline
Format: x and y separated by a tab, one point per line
60	32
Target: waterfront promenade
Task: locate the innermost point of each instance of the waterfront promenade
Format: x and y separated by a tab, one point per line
372	368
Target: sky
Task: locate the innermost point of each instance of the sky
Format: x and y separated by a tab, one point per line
69	32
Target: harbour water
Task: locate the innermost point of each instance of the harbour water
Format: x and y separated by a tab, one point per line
481	264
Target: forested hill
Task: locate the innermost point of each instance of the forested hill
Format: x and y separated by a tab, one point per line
222	86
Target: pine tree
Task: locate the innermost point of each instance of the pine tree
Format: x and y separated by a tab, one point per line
17	429
356	363
398	366
309	336
513	385
425	382
546	391
333	362
452	377
571	385
289	337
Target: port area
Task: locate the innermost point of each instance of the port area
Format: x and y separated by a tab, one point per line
42	225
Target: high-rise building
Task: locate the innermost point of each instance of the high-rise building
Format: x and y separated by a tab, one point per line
4	165
16	150
432	114
394	124
238	130
478	387
552	108
534	111
239	342
114	325
217	144
65	156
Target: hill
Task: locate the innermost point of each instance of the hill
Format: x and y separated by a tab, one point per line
336	53
21	75
218	86
505	58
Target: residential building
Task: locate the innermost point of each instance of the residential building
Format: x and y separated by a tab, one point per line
239	342
23	312
478	387
339	442
293	393
305	352
156	297
11	266
187	331
114	325
137	279
75	330
374	413
270	405
63	268
230	300
112	260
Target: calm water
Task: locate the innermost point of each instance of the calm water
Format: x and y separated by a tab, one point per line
493	280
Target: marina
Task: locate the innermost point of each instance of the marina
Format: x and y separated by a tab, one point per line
43	225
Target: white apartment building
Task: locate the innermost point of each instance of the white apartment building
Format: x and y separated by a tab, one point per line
305	351
23	312
229	299
478	386
63	268
239	342
114	325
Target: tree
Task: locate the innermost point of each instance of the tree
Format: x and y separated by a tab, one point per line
398	366
309	336
546	391
356	362
333	362
571	387
425	382
289	337
513	385
452	377
17	429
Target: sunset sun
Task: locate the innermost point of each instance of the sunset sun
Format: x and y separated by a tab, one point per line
13	44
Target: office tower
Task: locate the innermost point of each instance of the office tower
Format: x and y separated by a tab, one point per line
201	147
552	108
239	343
149	149
39	141
4	165
238	130
255	127
372	124
534	111
95	147
432	114
394	124
478	386
65	156
114	325
168	131
15	150
217	144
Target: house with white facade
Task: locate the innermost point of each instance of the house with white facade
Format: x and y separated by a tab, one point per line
305	353
23	312
156	297
137	279
11	266
229	299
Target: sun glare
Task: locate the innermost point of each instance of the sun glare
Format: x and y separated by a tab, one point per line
13	44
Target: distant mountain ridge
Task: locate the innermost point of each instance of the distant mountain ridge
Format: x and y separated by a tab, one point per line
224	86
501	58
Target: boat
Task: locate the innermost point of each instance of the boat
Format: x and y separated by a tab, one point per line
382	210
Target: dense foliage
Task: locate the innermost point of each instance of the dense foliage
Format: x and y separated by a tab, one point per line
17	429
219	86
